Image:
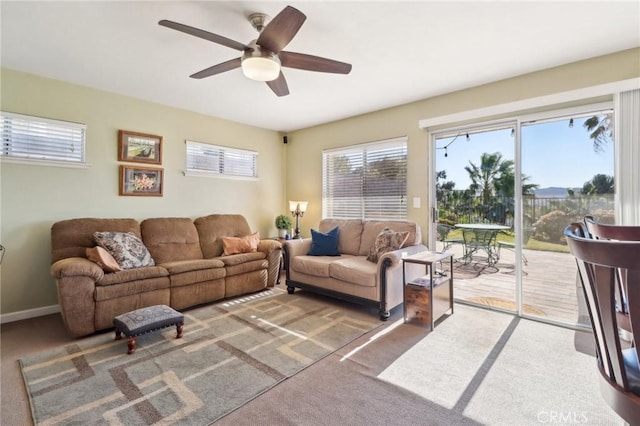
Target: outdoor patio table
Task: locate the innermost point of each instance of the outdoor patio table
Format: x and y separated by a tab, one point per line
484	238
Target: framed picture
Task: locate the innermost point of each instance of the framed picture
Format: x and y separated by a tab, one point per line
141	181
139	147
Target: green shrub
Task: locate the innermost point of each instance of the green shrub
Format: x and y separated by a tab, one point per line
550	227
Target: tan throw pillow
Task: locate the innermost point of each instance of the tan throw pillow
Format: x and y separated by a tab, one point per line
237	245
103	259
126	248
387	240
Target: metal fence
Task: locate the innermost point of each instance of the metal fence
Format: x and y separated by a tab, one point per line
501	210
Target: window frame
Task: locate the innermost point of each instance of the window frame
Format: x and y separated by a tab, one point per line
51	133
364	153
224	152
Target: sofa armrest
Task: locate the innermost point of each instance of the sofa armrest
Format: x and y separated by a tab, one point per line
76	267
76	282
395	257
390	275
273	250
299	247
293	248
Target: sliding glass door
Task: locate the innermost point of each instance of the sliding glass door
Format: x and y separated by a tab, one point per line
475	206
525	180
570	160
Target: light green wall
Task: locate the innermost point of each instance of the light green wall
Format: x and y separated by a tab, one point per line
34	197
304	150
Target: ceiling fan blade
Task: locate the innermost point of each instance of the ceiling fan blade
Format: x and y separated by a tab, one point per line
279	85
313	63
217	69
281	30
205	35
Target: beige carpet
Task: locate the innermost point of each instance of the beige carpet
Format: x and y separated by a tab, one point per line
231	352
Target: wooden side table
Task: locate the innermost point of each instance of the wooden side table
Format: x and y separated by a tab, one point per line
430	296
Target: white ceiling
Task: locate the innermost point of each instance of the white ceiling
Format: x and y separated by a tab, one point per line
400	51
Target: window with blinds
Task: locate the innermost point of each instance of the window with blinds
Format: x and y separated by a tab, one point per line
367	181
215	160
41	140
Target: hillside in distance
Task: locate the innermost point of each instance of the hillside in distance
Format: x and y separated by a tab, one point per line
553	192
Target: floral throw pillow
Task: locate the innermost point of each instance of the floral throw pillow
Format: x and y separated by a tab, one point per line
387	240
126	248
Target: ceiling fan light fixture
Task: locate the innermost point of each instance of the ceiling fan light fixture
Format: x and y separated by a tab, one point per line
260	65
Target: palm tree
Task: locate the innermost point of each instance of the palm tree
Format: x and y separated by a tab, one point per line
486	177
599	184
601	129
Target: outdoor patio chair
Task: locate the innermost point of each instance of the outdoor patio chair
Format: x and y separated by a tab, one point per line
526	234
598	264
443	236
476	240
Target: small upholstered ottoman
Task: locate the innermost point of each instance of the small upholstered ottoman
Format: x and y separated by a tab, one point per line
145	320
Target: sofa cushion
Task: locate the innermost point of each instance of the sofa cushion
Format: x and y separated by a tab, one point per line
312	265
135	289
211	228
387	240
102	257
135	274
197	276
126	248
246	267
182	266
170	239
350	233
70	238
237	245
324	244
355	270
237	259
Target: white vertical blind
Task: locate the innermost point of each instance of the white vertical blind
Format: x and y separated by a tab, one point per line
34	138
220	160
367	181
628	157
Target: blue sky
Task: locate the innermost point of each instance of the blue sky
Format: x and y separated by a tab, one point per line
553	154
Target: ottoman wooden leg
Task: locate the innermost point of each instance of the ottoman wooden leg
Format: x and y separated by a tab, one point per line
179	329
131	344
118	334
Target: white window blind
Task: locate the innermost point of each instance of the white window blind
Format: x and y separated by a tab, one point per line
34	138
367	181
203	158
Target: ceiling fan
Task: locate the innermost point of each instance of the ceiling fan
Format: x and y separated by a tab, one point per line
262	58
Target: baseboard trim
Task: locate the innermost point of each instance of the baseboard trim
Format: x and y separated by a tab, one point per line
29	313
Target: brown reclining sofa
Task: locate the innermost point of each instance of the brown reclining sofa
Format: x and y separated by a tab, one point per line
189	267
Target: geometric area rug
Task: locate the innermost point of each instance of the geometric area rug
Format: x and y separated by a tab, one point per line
230	353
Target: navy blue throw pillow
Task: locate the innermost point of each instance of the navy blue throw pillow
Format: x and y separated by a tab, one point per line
324	244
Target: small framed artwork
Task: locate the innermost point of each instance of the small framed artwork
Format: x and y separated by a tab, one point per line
139	147
141	181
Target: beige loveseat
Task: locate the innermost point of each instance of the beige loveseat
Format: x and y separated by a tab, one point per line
350	275
189	267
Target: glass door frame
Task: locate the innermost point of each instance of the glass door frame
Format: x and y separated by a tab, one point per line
516	120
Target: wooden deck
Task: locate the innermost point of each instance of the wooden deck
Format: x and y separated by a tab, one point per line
549	284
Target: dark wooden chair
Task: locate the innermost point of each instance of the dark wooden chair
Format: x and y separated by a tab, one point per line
598	264
602	231
611	232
